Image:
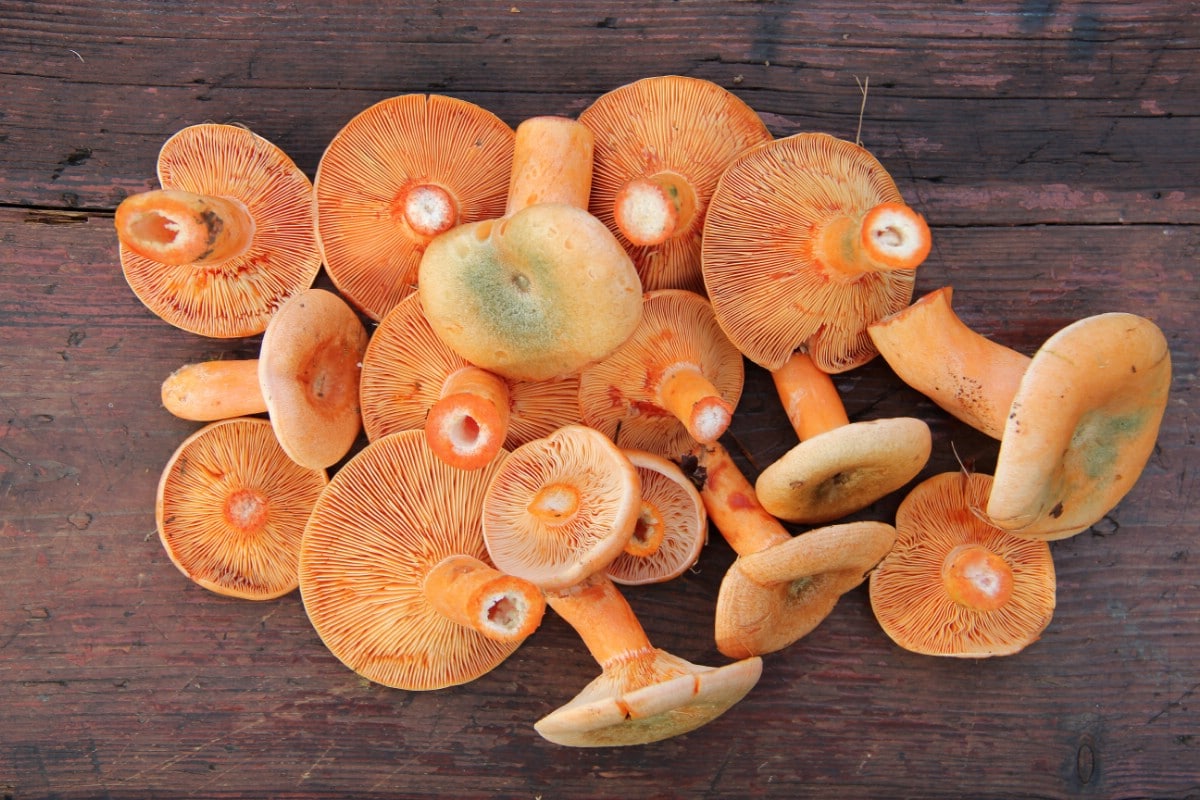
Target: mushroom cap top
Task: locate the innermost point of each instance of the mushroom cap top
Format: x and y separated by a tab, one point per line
231	509
647	700
308	370
845	469
690	127
237	297
534	296
673	502
1082	425
459	151
770	294
561	507
617	393
389	515
406	364
938	520
772	598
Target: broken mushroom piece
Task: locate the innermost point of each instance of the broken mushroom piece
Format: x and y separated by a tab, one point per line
226	239
412	380
806	242
545	290
395	577
231	509
395	176
839	466
956	585
661	144
675	380
306	378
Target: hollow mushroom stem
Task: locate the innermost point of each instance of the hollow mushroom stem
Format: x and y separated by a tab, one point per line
809	397
468	424
889	236
552	163
213	390
732	505
602	617
691	397
471	593
649	210
178	228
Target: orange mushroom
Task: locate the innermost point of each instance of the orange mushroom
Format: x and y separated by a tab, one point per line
675	380
661	144
412	380
231	509
1077	422
306	378
395	577
395	176
228	237
956	585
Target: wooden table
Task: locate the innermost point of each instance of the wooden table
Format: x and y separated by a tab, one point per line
1052	146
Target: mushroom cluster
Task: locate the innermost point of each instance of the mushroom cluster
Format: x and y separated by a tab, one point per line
541	334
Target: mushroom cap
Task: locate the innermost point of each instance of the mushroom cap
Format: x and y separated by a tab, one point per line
938	520
1082	425
772	598
561	507
689	128
308	370
406	364
389	515
454	151
617	394
534	296
670	501
237	297
844	469
231	509
648	700
769	293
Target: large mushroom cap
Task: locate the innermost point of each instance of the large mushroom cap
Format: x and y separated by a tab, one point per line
233	297
308	369
661	144
398	173
772	290
844	469
390	515
1082	425
956	585
231	509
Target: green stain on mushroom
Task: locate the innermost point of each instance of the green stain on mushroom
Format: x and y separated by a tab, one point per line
1099	439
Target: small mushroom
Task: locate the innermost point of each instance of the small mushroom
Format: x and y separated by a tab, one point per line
412	380
956	585
231	509
395	577
226	239
661	144
675	380
545	290
396	175
306	378
839	466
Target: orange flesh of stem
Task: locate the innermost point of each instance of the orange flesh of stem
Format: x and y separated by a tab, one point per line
809	397
552	163
733	507
966	374
555	503
602	617
648	533
428	209
177	228
467	591
890	236
650	210
977	578
468	424
213	390
694	401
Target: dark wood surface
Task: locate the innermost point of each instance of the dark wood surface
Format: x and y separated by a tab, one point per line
1051	145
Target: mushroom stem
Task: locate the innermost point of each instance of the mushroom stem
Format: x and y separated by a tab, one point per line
213	390
930	348
428	209
177	228
602	617
809	397
552	163
470	592
468	424
732	505
890	236
691	397
648	210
